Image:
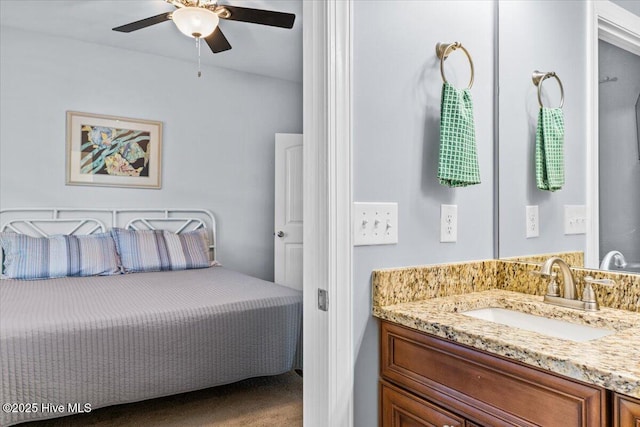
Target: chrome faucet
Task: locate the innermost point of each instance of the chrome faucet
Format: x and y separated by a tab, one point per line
616	257
569	296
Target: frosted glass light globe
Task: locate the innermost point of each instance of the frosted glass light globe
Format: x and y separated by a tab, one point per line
196	22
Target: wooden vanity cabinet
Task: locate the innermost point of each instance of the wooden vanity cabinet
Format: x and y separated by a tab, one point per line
626	411
424	377
402	409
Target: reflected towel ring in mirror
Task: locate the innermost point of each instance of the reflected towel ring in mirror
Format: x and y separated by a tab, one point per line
538	77
444	49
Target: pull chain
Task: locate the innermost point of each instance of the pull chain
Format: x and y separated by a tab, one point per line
198	47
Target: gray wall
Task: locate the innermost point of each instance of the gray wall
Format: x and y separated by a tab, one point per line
396	113
618	152
218	147
631	5
545	39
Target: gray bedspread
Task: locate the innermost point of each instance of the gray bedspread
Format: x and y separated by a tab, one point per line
117	339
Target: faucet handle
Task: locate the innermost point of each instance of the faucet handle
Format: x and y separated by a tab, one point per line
589	298
605	282
552	289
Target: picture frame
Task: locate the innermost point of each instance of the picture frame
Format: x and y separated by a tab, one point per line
113	151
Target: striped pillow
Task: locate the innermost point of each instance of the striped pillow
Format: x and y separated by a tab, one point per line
27	257
161	250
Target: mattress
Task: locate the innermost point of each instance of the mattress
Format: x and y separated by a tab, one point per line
78	343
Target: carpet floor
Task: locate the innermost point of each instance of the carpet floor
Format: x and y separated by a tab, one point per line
257	402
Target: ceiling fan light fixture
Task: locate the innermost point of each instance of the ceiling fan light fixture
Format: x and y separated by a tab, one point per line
196	22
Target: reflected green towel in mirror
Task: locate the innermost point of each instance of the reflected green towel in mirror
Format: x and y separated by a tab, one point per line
550	149
458	163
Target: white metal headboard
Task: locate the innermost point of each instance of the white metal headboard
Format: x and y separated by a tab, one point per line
44	222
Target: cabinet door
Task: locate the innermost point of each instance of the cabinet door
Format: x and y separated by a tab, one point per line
401	409
626	411
485	388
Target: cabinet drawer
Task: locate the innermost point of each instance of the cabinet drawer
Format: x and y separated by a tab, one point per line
626	411
485	388
401	409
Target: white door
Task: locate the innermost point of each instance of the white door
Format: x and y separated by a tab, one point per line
288	211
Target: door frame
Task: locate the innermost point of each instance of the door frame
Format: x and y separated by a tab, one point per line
327	200
611	23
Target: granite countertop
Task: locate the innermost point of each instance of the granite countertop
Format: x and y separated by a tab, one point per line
612	362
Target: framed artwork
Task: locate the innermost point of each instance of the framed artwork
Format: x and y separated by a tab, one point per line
113	151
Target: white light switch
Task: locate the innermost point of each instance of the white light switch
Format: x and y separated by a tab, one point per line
532	221
375	223
448	223
575	219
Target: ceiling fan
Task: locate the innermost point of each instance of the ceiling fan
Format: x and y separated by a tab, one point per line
199	19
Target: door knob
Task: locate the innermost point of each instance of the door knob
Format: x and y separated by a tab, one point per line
280	233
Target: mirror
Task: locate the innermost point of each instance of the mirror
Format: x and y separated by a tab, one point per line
531	38
618	158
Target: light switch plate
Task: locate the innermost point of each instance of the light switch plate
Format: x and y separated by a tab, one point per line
532	221
448	223
575	219
375	223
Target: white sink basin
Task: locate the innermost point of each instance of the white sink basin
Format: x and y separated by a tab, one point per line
542	325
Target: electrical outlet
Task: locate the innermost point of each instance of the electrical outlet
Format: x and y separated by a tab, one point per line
375	223
448	223
532	221
575	219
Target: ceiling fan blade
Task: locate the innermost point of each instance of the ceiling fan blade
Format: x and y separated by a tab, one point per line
217	41
143	23
259	16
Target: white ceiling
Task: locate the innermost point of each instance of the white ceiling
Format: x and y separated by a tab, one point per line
258	49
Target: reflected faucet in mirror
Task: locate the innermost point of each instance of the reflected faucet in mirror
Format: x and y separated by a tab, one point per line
615	261
613	256
569	296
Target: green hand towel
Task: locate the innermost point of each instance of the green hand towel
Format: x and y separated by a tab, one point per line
458	164
550	149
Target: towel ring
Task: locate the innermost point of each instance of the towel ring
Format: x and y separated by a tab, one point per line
444	49
538	77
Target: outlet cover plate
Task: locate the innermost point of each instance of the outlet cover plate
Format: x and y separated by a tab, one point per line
448	223
532	221
375	223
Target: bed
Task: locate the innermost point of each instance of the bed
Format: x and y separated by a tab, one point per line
74	344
